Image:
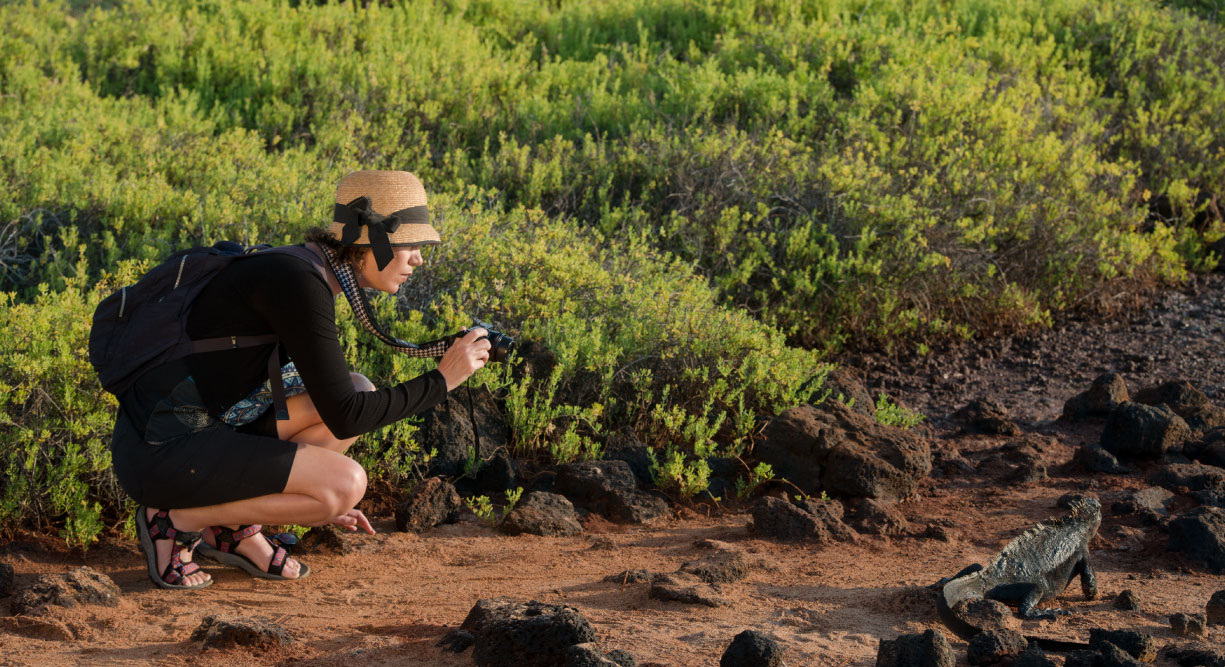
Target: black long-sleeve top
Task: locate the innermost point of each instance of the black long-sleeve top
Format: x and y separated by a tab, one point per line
287	296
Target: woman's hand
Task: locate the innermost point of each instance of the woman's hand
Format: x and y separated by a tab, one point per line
464	357
351	520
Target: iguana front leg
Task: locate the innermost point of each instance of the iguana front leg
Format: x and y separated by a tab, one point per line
1088	580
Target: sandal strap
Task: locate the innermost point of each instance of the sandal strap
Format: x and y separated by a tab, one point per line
161	528
176	569
228	539
277	564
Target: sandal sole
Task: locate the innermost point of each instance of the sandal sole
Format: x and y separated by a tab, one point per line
243	563
150	549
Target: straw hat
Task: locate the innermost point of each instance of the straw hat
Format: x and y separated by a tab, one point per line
382	209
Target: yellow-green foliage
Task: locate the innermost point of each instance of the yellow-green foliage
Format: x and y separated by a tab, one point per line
55	442
660	194
849	170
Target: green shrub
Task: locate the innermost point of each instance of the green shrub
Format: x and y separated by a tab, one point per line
663	197
891	414
55	459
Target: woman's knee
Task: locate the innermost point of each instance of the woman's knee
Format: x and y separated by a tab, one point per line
346	485
335	480
361	382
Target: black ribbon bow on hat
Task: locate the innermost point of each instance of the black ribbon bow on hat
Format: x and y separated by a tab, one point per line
358	213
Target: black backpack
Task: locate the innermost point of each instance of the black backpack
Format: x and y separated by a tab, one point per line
144	325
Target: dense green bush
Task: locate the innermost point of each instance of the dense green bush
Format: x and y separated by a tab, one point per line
659	194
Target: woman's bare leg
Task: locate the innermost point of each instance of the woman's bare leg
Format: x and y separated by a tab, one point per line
323	484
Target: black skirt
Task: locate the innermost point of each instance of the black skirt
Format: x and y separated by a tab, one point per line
169	453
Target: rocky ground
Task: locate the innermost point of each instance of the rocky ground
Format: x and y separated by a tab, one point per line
390	598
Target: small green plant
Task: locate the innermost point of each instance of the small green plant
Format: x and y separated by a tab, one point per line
483	507
764	472
804	497
891	414
512	499
472	464
676	474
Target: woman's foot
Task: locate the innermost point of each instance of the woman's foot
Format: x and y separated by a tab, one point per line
165	549
256	549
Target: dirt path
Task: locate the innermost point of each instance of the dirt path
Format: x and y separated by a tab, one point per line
394	596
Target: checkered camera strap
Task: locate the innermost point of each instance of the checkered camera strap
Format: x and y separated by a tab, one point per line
361	308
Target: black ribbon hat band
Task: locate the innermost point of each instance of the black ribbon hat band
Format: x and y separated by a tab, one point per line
358	214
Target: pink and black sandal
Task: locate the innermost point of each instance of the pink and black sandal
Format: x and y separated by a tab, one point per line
227	541
163	529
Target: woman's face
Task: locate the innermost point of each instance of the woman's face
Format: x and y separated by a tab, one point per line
403	261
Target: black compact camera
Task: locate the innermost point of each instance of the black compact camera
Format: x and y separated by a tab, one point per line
500	344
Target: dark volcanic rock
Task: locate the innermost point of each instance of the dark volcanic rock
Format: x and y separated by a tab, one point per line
608	488
930	649
993	646
987	615
457	640
1195	656
1206	483
498	474
1095	458
1083	659
6	580
1186	625
1190	403
323	539
1135	430
431	503
1127	601
622	658
830	448
1114	656
81	586
876	517
1200	534
588	655
1139	645
448	429
1214	611
542	513
530	634
591	481
217	631
722	567
1210	449
752	649
1107	392
819	521
1153	499
687	588
986	416
1033	656
625	447
846	386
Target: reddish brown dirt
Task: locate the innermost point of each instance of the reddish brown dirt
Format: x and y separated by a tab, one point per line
396	594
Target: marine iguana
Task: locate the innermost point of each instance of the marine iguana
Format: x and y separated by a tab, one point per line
1034	567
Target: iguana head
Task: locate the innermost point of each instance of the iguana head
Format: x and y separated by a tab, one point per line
1087	511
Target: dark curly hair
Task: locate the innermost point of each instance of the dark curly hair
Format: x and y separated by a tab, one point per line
354	255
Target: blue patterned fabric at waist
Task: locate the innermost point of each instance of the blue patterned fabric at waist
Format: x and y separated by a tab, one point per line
250	408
